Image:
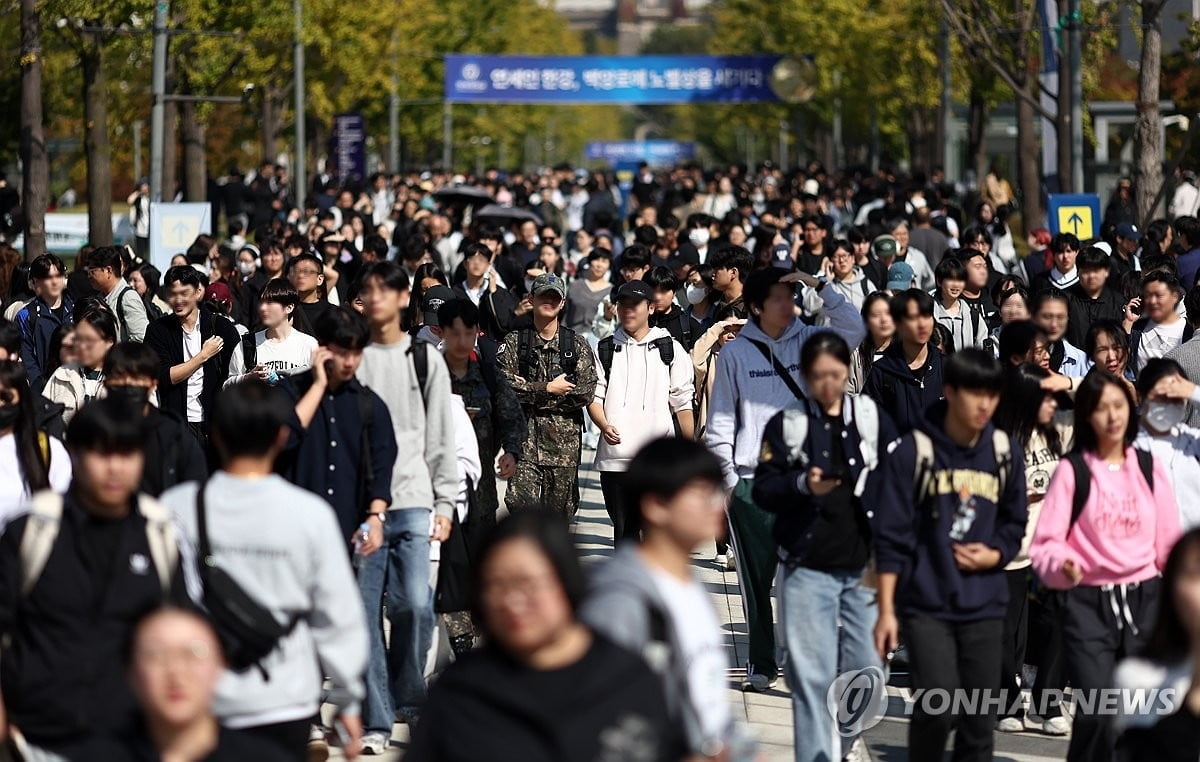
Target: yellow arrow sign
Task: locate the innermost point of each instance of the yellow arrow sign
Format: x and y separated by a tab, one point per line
1077	220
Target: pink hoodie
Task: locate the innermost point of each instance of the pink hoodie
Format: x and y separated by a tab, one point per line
1123	534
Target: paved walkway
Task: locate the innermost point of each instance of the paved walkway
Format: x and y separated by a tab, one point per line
768	714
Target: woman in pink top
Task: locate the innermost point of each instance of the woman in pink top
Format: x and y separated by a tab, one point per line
1108	560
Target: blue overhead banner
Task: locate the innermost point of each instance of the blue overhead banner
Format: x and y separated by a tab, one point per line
609	79
652	151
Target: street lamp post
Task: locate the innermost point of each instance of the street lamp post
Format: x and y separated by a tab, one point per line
300	171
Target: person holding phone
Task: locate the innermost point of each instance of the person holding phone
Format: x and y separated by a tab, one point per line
817	473
279	349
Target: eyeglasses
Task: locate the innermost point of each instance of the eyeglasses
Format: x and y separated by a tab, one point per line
190	656
308	273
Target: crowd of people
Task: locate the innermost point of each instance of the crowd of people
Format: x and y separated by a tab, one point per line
317	459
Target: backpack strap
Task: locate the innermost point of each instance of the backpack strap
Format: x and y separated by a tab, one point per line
525	358
865	417
41	530
1083	486
666	349
795	434
1146	466
420	358
120	312
568	355
922	466
1002	449
249	351
161	537
685	330
605	349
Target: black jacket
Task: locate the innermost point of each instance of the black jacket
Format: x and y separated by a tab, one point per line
62	672
683	328
496	317
905	394
173	454
165	336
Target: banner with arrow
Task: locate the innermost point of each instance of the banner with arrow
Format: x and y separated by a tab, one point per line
174	227
1077	213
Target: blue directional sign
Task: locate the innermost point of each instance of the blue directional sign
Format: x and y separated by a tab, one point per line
652	151
1077	213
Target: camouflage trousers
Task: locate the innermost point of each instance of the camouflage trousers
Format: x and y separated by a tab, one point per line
548	487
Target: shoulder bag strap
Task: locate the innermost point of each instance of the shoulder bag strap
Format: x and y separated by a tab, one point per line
786	377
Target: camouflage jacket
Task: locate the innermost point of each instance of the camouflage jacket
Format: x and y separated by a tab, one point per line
554	421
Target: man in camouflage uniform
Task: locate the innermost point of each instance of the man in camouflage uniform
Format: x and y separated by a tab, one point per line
553	398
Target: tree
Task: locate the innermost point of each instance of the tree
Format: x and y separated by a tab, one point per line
1147	129
35	184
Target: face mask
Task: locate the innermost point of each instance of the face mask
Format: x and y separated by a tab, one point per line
246	268
695	294
1163	416
135	397
9	415
699	236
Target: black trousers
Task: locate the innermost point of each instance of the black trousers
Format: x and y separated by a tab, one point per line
949	656
1045	650
1095	638
290	737
1016	632
626	520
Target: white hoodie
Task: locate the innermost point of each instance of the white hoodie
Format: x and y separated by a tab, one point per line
642	395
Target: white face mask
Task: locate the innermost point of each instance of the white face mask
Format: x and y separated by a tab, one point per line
699	236
246	268
1164	416
695	294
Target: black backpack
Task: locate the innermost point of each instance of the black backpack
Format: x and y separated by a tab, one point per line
607	348
568	358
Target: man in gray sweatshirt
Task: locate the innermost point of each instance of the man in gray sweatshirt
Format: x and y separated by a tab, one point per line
283	547
416	390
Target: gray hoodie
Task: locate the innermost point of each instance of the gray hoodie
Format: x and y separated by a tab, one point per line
747	390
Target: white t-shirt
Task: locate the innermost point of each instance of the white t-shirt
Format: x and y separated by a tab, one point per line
286	357
192	344
14	494
699	636
1158	339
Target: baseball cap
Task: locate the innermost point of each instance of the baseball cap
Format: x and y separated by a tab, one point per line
1129	230
218	292
1103	246
685	255
885	247
434	299
900	276
549	282
635	290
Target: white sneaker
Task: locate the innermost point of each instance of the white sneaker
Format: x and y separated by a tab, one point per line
756	682
374	744
722	560
1010	725
1055	726
858	752
730	562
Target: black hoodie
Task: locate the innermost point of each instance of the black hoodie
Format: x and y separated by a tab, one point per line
903	393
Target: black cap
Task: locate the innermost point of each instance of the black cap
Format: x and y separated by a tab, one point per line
434	299
635	290
686	254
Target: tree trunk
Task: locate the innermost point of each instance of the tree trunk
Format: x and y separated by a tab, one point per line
1028	159
1147	130
35	182
170	178
194	171
269	125
1062	120
977	133
95	140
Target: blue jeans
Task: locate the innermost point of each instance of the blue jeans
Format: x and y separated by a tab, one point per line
812	604
397	577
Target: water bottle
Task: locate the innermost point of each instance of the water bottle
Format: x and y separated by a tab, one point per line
360	540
